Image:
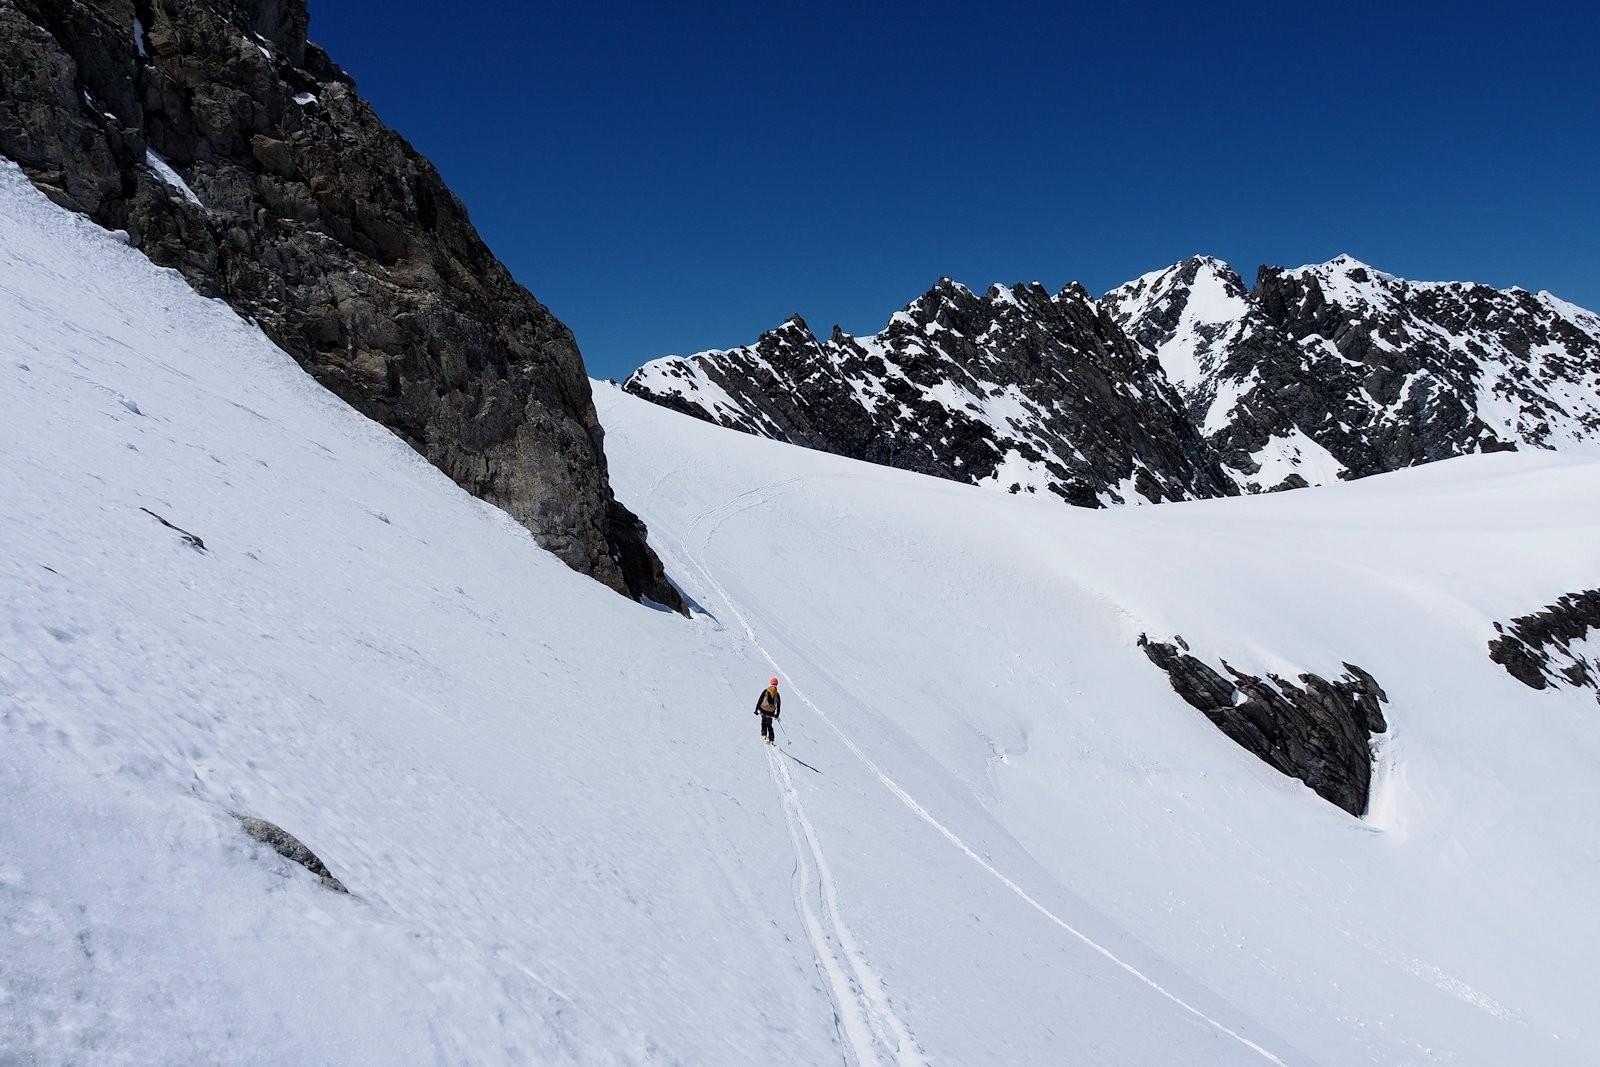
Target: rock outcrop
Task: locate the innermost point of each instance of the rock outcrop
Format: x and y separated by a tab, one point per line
289	847
1319	731
1556	646
1018	388
232	149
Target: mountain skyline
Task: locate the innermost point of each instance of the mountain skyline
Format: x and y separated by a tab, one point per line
1181	384
671	182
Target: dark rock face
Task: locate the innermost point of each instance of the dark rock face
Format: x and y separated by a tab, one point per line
232	149
1341	371
1018	388
1318	731
289	847
1547	648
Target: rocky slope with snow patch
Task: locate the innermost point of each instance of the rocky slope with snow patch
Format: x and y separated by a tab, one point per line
1186	384
1018	388
232	149
1341	371
1555	646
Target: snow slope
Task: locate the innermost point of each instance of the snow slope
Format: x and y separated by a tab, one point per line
563	842
985	656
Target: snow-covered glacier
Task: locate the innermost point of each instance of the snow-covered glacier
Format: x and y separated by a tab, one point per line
991	832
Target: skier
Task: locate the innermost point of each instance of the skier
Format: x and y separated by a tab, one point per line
768	706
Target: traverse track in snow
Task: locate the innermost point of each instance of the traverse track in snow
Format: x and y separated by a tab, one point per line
871	1030
743	502
869	1024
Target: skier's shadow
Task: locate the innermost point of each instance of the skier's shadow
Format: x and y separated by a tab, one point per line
798	760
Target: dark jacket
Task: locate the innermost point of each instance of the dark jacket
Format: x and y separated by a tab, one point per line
769	703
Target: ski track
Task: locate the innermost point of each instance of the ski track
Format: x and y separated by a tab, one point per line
745	501
867	1021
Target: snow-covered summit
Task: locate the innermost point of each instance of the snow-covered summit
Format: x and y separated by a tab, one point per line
1386	373
1352	284
1585	320
1190	315
1338	370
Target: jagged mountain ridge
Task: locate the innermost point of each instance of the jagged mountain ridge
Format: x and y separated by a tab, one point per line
1018	388
1317	374
1339	370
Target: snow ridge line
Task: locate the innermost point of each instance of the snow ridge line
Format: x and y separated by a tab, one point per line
863	1001
747	500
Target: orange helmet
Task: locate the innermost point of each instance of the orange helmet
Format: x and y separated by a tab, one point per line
774	682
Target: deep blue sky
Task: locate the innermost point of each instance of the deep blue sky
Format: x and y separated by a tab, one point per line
668	178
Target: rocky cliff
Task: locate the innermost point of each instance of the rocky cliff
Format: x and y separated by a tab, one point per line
232	149
1018	388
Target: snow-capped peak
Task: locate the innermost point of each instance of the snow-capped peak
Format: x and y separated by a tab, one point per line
1583	318
1322	372
1344	261
794	324
1185	314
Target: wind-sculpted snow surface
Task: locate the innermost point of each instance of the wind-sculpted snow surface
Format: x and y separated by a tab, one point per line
562	839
